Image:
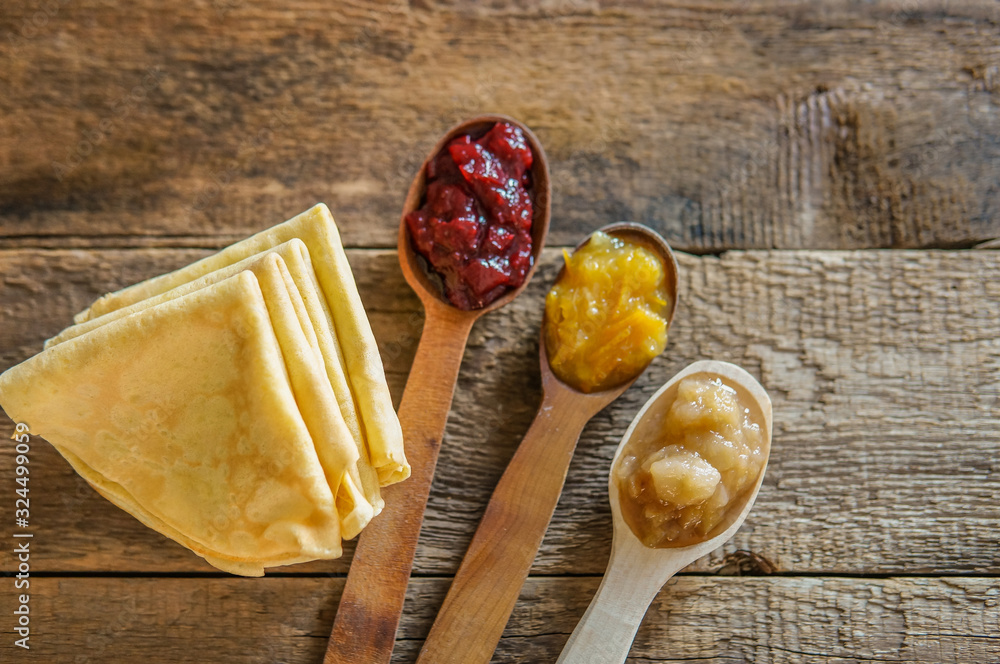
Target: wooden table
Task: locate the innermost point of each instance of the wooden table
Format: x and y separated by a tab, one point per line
830	169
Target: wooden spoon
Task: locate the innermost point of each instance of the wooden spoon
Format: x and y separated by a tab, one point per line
635	571
489	580
365	627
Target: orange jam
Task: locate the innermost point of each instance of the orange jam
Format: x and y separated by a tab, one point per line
607	316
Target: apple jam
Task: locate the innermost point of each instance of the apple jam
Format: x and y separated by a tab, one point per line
679	475
474	227
606	317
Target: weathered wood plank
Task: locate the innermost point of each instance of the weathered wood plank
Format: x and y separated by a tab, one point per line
713	619
729	124
882	366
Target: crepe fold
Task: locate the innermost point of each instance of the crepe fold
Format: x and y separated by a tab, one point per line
225	404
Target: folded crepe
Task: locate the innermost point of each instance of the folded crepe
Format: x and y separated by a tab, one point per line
156	397
215	452
300	319
317	230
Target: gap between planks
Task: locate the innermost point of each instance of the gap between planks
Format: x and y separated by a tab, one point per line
216	242
747	619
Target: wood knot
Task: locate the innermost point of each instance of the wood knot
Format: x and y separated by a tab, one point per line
746	563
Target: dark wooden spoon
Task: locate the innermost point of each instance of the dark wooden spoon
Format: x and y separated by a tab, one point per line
365	627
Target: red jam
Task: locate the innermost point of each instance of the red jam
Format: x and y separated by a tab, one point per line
475	225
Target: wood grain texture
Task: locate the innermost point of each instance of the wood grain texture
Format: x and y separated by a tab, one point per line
722	124
882	367
719	620
136	137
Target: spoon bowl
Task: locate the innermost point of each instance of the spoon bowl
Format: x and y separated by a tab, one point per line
635	571
649	239
415	267
649	420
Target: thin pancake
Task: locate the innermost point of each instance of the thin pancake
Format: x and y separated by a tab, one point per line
298	327
184	415
317	230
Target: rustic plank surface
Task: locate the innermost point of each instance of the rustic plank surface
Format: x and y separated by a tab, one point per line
724	124
720	620
882	367
136	137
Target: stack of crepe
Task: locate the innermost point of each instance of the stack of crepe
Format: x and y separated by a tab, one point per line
237	405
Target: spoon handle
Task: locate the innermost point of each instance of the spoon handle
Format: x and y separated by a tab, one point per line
489	580
370	607
605	633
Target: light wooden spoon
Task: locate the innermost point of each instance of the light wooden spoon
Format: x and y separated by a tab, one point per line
489	580
635	571
364	630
